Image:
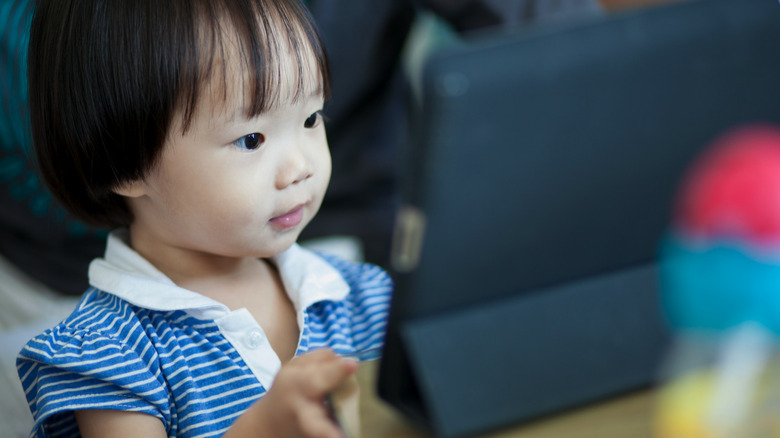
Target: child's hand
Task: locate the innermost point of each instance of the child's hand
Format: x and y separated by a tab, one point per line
294	407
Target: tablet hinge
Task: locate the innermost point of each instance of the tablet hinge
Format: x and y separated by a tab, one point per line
407	239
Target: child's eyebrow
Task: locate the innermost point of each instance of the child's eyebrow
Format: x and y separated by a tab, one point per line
236	111
317	93
240	113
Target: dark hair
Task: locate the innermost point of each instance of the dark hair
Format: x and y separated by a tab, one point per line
107	77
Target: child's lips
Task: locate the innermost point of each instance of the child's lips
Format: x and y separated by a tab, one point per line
290	219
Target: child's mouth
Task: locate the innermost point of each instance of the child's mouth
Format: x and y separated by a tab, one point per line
289	219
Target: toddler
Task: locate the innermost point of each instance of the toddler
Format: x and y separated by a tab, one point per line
194	130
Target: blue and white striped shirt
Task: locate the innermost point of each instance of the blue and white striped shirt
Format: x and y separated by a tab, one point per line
137	342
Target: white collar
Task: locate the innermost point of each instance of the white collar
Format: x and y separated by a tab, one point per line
307	278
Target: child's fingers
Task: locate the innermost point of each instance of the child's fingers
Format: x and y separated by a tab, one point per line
319	425
319	355
332	374
325	371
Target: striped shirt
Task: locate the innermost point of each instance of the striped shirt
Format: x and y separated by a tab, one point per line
137	342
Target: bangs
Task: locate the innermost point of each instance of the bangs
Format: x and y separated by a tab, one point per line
269	49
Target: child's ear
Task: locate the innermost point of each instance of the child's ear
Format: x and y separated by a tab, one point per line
131	189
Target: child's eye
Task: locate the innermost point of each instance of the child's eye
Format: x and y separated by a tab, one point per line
313	120
250	142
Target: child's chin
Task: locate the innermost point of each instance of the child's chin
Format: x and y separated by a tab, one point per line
283	243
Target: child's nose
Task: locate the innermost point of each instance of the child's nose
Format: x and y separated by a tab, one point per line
295	168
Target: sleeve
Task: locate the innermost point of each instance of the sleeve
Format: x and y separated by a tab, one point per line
369	299
64	370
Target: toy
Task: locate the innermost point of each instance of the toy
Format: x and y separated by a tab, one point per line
720	288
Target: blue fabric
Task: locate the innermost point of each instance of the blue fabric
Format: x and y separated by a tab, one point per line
113	355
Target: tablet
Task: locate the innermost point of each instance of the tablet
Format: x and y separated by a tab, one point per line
535	193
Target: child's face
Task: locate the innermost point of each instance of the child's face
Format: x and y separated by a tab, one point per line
233	186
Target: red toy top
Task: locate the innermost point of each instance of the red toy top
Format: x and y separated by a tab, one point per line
733	189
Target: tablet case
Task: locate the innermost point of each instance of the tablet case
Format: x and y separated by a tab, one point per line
536	191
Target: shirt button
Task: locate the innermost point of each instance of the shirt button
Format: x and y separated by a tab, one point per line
254	338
